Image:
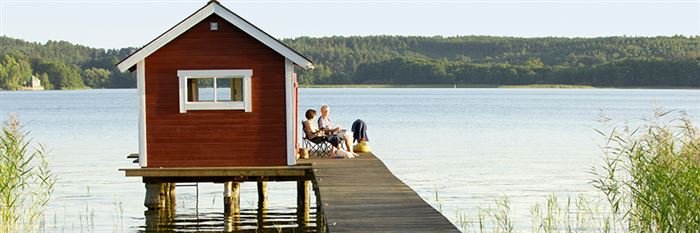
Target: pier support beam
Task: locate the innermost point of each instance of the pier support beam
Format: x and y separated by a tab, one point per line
320	218
232	206
170	196
232	202
160	196
262	194
303	204
155	196
262	203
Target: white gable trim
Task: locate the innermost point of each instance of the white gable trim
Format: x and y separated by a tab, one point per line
214	8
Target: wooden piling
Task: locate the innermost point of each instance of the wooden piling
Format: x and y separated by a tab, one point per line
320	218
155	196
232	202
170	196
303	203
262	194
262	203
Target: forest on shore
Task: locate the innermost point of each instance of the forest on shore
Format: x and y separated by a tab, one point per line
403	60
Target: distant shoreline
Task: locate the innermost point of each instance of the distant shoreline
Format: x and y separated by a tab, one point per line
445	86
549	86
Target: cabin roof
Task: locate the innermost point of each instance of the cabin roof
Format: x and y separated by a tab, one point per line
214	7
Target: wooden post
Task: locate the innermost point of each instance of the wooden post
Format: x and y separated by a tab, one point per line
171	195
303	204
155	196
152	220
262	203
232	203
229	223
262	194
320	219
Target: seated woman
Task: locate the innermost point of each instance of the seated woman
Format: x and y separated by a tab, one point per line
311	132
325	124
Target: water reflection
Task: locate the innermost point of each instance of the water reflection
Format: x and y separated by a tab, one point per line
248	220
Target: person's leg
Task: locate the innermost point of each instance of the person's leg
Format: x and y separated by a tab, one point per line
348	142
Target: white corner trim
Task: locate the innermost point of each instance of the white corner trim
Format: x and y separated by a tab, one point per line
245	74
289	102
141	92
214	8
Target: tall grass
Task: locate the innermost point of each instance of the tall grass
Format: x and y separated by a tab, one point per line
575	215
651	175
650	181
26	182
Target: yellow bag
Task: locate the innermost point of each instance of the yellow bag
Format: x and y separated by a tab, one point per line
361	147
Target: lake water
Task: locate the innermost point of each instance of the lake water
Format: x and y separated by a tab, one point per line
467	145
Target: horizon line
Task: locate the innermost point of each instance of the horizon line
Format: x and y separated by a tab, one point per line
396	35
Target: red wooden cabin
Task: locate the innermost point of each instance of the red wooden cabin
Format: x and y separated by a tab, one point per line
216	91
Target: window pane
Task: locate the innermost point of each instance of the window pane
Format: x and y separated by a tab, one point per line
223	89
192	91
229	89
205	89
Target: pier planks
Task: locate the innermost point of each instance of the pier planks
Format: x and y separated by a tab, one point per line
362	195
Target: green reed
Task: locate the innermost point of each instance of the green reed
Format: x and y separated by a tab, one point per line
650	181
651	175
26	182
575	215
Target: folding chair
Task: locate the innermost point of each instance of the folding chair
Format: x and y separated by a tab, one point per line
318	146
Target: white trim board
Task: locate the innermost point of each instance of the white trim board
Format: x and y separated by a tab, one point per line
214	7
141	92
289	102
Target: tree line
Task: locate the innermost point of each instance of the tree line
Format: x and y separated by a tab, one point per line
61	65
603	61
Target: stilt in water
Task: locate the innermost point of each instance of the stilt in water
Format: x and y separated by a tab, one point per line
232	206
303	204
262	203
232	192
320	219
155	196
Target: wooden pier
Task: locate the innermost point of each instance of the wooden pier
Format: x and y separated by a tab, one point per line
362	195
353	195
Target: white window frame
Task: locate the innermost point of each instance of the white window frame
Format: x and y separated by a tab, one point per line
185	75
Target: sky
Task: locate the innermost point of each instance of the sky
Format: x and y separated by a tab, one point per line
133	23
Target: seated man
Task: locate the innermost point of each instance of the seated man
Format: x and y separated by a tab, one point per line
325	124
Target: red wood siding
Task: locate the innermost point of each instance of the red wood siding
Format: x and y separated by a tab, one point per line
214	138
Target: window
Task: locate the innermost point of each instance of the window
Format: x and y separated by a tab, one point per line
215	90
